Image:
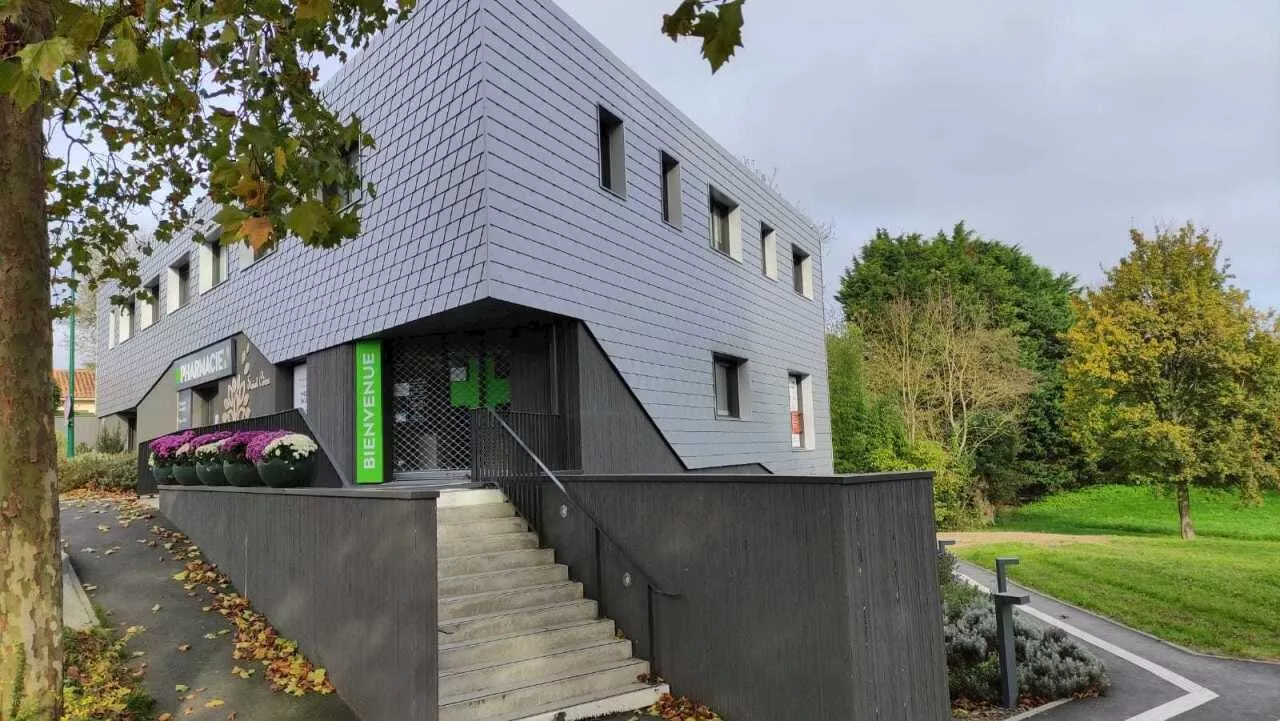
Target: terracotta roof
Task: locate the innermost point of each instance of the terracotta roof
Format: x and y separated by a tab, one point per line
86	383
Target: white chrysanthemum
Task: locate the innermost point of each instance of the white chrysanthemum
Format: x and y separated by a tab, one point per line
208	451
293	445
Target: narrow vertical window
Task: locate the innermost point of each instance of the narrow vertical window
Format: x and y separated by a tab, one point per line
149	306
800	397
801	272
671	211
179	285
727	381
768	251
726	225
613	175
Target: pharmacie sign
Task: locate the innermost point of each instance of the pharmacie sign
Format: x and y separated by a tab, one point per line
369	449
207	365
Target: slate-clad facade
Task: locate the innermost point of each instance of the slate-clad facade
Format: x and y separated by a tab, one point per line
490	210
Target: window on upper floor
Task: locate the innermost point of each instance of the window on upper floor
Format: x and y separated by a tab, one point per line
112	327
350	158
211	263
124	323
149	304
613	172
671	210
728	379
802	272
726	225
768	251
178	291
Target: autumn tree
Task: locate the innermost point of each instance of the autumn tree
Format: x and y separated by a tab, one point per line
956	378
1171	377
110	111
1013	291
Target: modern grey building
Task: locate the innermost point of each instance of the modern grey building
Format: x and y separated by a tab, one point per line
549	237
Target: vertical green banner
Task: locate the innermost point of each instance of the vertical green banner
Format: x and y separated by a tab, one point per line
369	448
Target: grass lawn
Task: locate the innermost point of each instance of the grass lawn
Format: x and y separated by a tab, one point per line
1218	593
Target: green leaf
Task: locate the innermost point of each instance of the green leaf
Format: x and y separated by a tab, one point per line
308	219
25	91
724	36
316	10
124	53
45	57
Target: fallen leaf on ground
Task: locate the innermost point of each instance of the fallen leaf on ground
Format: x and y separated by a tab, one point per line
155	608
184	647
104	527
166	716
181	688
215	703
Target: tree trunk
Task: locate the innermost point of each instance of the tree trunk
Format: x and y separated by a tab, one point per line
30	561
1184	510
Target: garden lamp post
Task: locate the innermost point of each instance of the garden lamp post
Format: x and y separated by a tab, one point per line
1005	601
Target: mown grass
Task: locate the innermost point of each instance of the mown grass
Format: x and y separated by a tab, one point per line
1217	594
1142	510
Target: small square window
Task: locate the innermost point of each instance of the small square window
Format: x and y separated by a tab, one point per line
671	210
727	378
768	251
613	173
801	272
726	225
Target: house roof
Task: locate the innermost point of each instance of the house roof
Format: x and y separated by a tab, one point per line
86	382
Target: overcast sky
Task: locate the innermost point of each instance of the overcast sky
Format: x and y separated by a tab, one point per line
1051	124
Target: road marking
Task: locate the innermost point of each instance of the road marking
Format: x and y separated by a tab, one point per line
1196	695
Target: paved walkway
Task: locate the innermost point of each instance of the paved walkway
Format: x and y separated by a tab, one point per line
131	581
1152	680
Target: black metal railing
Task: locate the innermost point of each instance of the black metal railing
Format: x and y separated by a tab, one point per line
291	420
517	452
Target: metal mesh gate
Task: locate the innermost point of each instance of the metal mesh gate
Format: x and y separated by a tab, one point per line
437	382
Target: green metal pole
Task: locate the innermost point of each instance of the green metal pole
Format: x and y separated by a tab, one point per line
71	382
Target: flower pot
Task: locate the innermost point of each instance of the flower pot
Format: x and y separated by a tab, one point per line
163	475
186	475
279	473
240	474
211	473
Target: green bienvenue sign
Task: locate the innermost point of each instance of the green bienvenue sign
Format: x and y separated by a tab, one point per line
369	451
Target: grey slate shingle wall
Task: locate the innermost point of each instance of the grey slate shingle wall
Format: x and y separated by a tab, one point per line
659	299
417	90
486	167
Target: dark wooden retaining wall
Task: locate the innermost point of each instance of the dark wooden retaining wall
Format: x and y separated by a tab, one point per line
348	573
801	597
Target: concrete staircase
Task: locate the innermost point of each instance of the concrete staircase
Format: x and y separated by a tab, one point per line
518	642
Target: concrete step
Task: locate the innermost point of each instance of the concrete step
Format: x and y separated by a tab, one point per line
518	696
571	661
460	514
623	700
479	527
501	560
524	644
495	625
507	600
486	544
501	580
452	498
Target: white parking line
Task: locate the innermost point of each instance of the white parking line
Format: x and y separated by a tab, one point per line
1196	695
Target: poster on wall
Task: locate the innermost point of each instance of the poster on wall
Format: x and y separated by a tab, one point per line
184	409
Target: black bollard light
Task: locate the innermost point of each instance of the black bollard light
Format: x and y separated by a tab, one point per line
1005	601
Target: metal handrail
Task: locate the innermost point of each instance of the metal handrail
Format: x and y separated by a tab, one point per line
649	578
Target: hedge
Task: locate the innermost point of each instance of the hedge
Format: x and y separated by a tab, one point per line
107	471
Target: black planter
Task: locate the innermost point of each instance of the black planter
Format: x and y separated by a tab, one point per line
211	473
186	475
240	474
163	475
279	473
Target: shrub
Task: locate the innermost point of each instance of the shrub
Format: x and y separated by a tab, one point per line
110	441
1050	664
107	471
